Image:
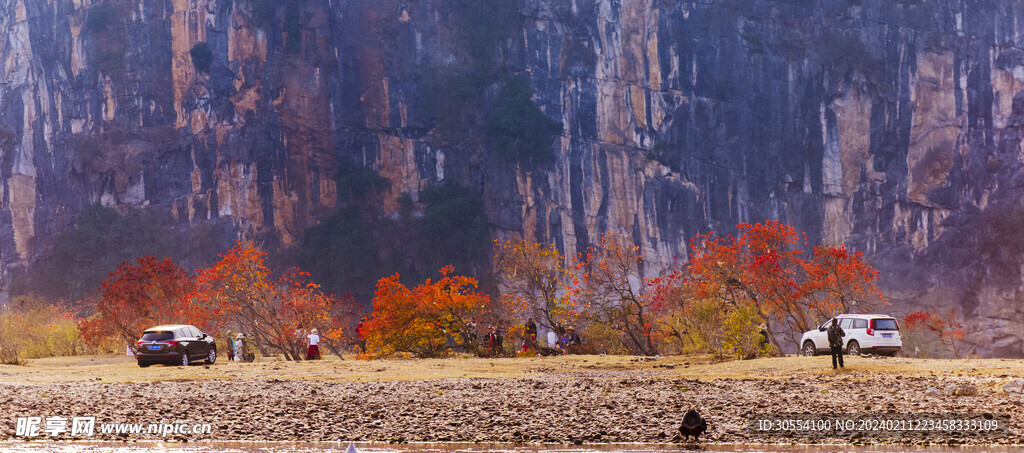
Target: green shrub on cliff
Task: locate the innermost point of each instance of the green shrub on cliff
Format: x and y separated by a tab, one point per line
202	57
293	28
261	11
455	228
459	96
108	39
101	17
355	182
481	28
452	101
340	253
352	248
516	128
79	259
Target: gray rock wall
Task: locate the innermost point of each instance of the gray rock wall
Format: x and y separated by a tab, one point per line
892	126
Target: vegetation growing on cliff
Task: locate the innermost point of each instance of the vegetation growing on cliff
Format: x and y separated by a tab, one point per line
104	26
516	128
264	12
713	304
102	239
202	57
479	96
102	16
292	27
349	250
355	183
261	11
341	252
482	28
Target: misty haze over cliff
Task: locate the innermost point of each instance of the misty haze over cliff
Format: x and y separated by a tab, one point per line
354	128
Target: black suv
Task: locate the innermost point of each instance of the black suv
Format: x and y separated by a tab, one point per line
175	344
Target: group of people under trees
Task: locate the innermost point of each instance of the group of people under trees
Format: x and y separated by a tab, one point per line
308	341
493	340
560	340
239	348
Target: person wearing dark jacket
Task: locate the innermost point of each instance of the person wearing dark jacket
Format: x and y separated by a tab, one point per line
835	342
531	329
571	342
571	339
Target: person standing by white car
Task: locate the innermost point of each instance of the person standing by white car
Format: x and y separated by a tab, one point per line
835	342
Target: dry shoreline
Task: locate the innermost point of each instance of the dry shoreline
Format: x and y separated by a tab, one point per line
561	405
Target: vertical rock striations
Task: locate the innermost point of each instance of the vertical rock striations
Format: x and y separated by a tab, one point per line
893	126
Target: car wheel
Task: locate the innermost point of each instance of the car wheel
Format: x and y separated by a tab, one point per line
184	358
212	357
809	349
853	348
143	365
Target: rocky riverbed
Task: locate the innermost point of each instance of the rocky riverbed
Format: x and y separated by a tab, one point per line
578	407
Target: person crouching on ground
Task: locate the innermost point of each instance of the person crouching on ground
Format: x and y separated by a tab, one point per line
572	341
313	352
530	342
835	342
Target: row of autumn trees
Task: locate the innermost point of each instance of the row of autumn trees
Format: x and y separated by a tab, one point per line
729	290
237	294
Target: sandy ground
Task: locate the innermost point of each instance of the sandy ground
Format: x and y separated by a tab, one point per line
580	399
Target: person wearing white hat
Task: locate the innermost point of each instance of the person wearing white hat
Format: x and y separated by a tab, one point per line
313	352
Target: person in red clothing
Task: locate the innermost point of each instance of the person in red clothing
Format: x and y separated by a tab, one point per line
313	352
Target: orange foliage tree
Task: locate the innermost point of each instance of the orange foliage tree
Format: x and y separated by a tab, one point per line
427	320
31	327
947	329
239	293
137	296
533	281
842	279
766	267
610	292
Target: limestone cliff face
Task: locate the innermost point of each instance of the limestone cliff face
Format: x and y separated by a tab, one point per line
892	126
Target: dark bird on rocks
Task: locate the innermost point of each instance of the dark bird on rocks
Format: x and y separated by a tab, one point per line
693	425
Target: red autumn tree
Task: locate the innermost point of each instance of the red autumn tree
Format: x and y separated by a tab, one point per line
946	329
839	278
610	291
773	277
756	268
239	293
427	320
766	267
534	281
136	296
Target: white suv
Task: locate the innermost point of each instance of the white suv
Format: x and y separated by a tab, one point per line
878	334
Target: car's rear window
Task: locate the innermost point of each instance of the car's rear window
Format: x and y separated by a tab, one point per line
885	324
161	335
